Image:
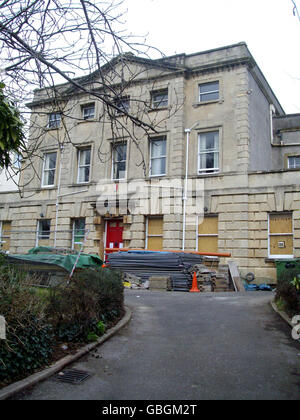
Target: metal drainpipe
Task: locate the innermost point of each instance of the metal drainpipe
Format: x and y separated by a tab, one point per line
184	198
272	111
58	193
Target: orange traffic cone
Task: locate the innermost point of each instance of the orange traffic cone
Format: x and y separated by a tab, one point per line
194	288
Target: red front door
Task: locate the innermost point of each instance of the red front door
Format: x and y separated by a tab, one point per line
114	234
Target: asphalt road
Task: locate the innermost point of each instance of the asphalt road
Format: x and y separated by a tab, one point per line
184	346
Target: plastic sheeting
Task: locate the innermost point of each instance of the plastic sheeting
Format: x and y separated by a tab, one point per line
39	257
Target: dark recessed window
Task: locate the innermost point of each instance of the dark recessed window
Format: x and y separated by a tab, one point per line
84	165
88	111
44	229
159	99
208	155
158	156
123	104
54	120
119	155
49	166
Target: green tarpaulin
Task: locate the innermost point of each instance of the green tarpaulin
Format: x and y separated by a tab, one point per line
44	255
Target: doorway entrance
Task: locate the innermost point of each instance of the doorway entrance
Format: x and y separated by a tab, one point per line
114	234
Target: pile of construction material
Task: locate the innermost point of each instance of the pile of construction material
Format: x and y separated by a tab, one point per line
146	264
209	280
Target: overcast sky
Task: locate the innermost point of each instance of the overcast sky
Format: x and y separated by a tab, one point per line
268	27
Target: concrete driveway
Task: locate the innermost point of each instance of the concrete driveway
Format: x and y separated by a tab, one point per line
184	346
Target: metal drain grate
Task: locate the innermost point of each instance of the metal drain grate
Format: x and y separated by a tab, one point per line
72	376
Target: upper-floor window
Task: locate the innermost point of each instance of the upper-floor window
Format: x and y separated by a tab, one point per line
54	120
84	165
158	156
123	104
119	155
159	99
17	160
209	91
88	111
294	162
49	166
208	156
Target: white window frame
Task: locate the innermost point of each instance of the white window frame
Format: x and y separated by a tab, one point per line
38	237
209	92
73	232
159	104
55	122
288	162
277	257
151	141
208	171
88	107
79	166
113	146
48	170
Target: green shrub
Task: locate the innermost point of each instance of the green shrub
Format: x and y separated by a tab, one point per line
26	348
36	320
92	337
92	296
287	292
101	327
28	335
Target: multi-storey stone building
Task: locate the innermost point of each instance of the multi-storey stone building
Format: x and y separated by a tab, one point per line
242	148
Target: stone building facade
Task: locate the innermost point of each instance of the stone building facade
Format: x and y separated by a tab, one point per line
243	150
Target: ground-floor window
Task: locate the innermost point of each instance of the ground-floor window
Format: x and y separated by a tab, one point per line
207	234
43	232
5	228
281	235
154	234
78	232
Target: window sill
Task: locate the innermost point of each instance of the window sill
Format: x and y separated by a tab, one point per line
157	176
82	121
216	101
161	108
209	174
52	128
80	184
278	258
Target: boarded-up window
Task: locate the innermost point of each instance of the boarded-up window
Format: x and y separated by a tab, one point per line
5	228
155	233
208	234
281	235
